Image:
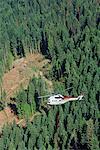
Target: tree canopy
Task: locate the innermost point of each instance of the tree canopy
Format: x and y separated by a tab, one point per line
67	33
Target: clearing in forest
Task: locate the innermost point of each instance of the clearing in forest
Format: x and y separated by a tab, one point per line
7	116
22	71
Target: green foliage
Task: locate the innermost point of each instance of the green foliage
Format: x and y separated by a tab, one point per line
27	102
66	32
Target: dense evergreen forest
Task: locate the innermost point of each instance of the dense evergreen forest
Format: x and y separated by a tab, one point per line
66	32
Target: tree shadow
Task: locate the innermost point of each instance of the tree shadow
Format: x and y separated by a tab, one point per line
13	108
37	100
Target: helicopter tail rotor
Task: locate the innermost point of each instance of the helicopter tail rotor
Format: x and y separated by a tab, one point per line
80	97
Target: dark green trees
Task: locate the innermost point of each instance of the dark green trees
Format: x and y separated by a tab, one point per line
66	32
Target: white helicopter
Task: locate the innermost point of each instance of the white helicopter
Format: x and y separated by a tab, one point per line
59	99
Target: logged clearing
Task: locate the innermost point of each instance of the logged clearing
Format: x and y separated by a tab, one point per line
22	71
7	116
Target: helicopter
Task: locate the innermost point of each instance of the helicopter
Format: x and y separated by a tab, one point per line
58	99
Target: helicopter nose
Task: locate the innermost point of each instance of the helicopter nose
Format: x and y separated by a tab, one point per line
48	101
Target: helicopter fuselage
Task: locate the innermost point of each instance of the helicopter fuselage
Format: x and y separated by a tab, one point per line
59	99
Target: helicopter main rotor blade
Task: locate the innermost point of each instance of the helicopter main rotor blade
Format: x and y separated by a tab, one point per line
69	88
44	96
59	92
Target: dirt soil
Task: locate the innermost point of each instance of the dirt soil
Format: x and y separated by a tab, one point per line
22	71
7	116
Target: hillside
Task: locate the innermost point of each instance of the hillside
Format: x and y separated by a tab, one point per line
67	33
7	117
22	71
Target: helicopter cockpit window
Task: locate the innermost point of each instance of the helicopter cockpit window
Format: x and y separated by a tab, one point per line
58	97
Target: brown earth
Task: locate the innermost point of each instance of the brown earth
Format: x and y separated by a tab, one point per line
22	71
7	116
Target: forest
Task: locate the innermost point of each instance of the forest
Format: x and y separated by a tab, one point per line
67	32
